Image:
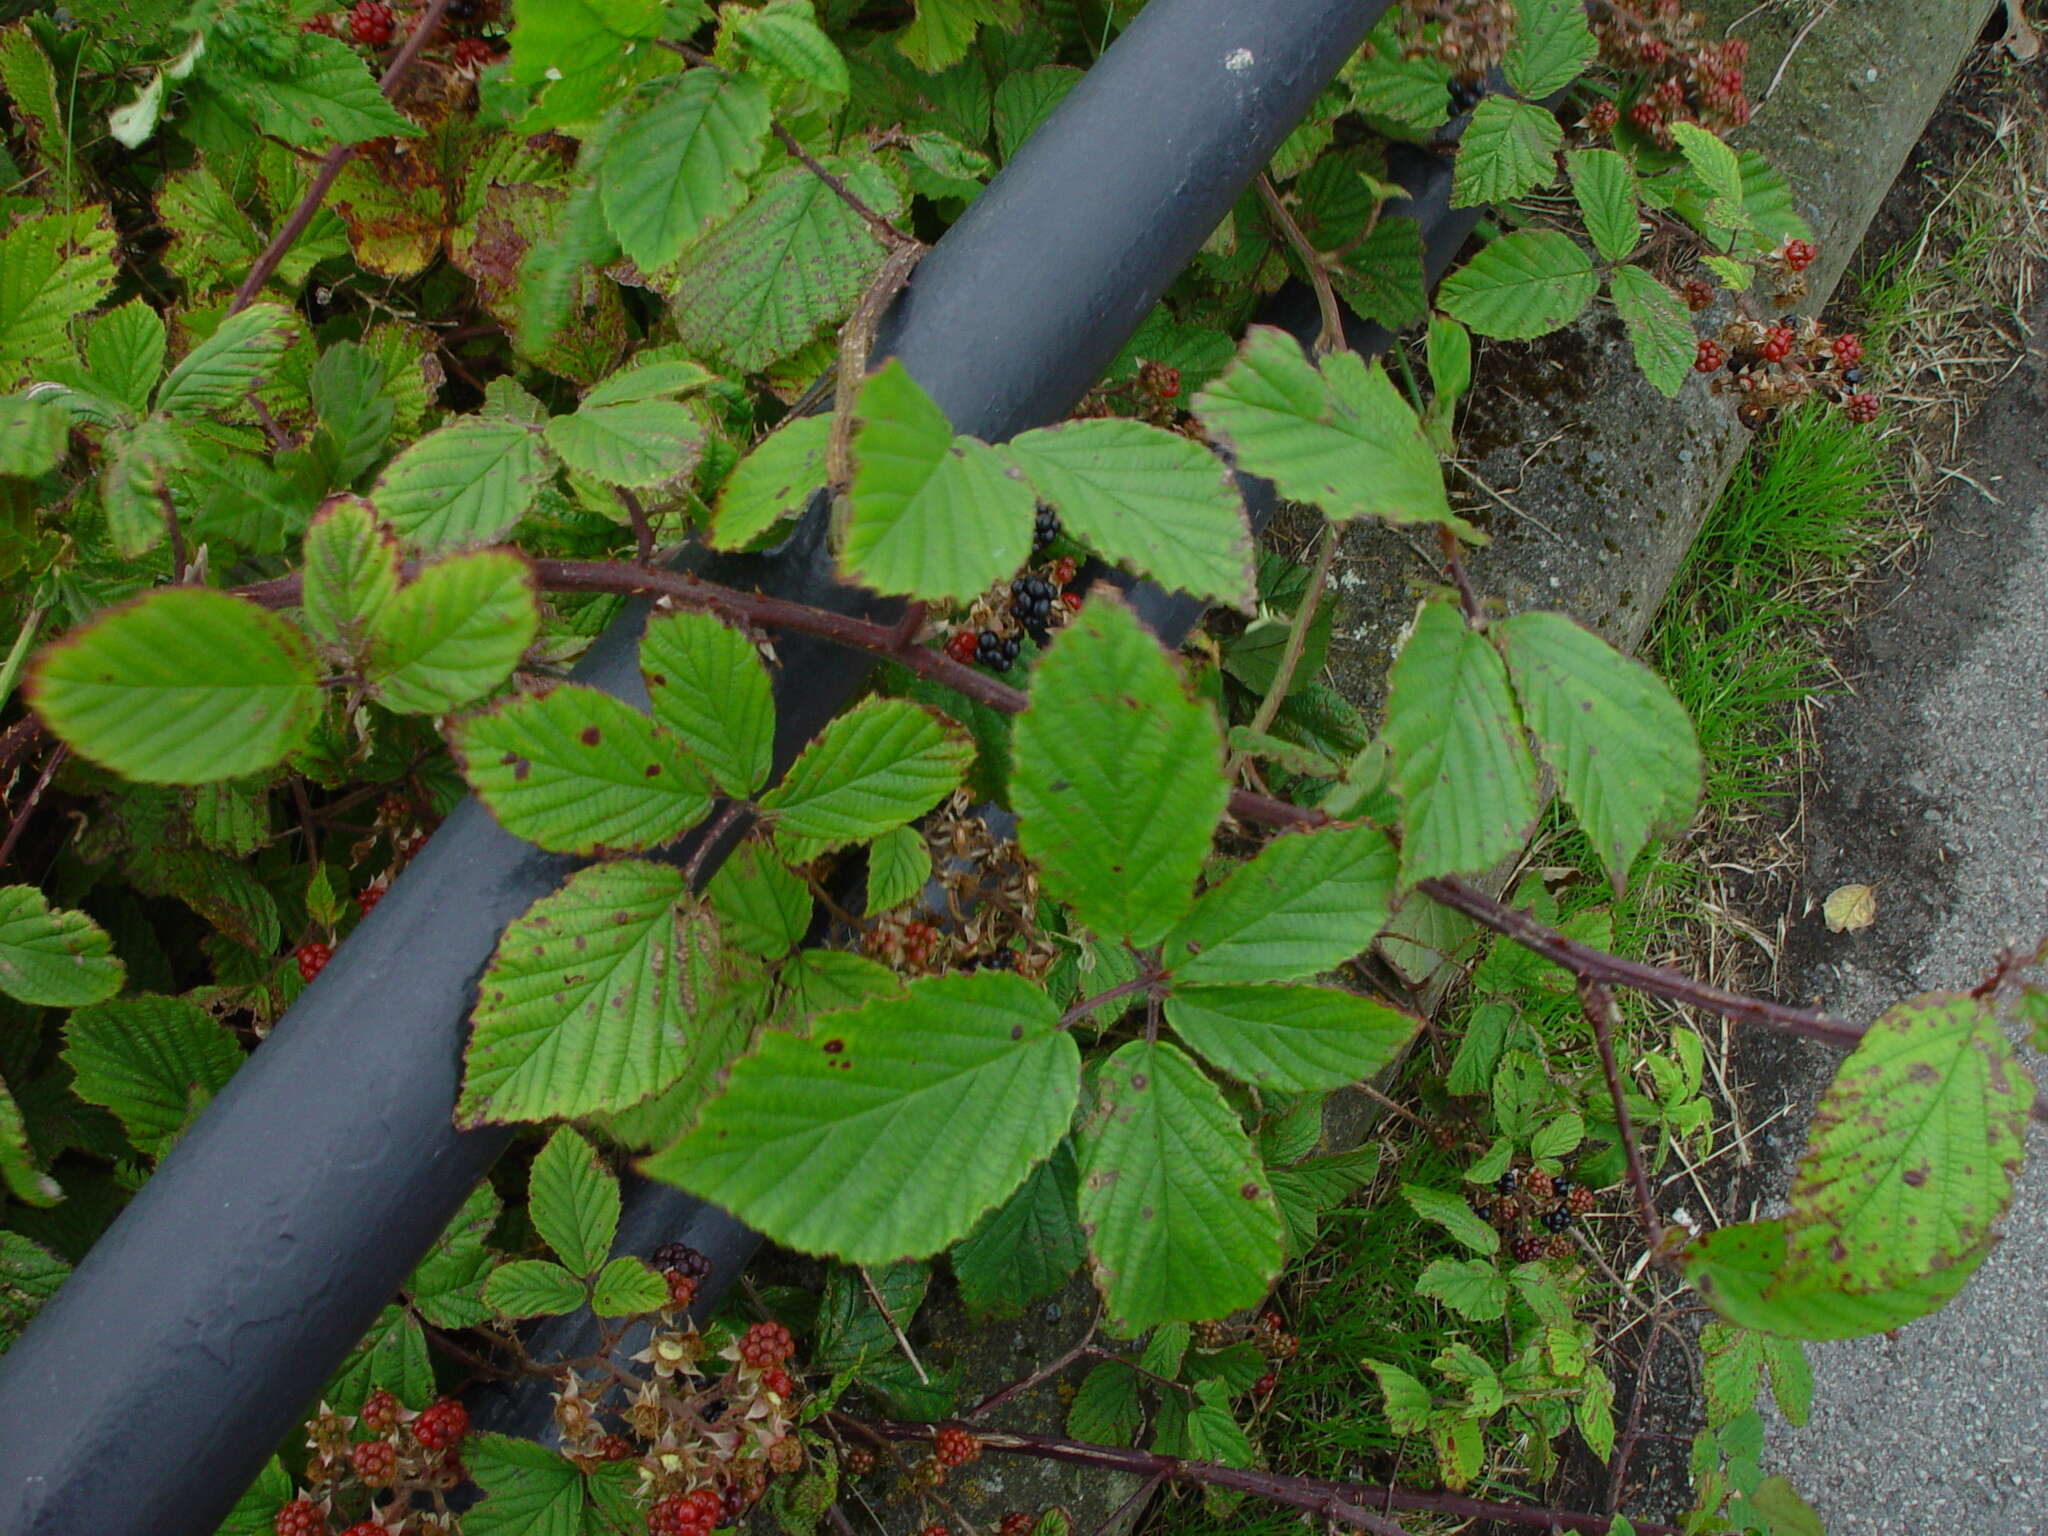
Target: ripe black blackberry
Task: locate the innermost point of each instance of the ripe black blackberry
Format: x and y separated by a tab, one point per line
1465	95
995	652
1045	529
1526	1250
683	1257
1557	1218
1505	1184
1031	600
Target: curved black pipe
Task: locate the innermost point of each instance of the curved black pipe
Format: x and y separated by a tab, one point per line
151	1388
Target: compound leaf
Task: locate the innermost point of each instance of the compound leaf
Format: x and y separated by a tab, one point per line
573	1200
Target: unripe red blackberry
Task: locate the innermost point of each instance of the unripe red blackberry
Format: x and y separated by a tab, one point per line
1708	356
1602	116
682	1290
1860	408
313	958
960	645
367	1528
1538	1184
775	1379
379	1413
1847	350
784	1456
1265	1384
375	1462
859	1460
323	24
1698	293
1800	254
301	1517
367	899
955	1447
1526	1250
472	54
613	1448
1777	344
442	1425
371	23
1015	1523
1580	1199
934	1529
766	1344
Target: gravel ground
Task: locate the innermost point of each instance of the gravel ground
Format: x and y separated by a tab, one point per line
1936	794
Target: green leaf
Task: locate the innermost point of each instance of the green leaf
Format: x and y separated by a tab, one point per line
579	55
32	435
1767	202
222	369
139	465
790	263
1473	1288
1298	1039
1791	1378
637	443
883	763
964	1073
589	1001
1552	47
29	1276
626	1287
771	483
124	353
1406	1400
1402	94
392	1355
57	267
446	1286
1452	1214
930	515
899	863
466	483
529	1490
351	572
153	1061
1521	286
656	374
1785	1512
1105	1409
1912	1150
255	1512
179	687
1147	499
761	906
1509	148
1558	1138
1118	780
575	770
453	634
679	161
1307	902
1027	1246
707	686
320	94
1205	1431
356	412
20	1174
51	957
790	44
1464	776
1659	327
1719	174
1450	364
1604	183
573	1200
940	33
532	1288
1317	1185
1621	745
1180	1223
1743	1273
851	1330
1342	438
1025	98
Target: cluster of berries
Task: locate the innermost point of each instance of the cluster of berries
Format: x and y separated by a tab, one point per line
1033	604
683	1269
1469	36
405	1454
685	1514
1151	394
1773	365
906	943
1687	75
1523	1197
1267	1333
369	22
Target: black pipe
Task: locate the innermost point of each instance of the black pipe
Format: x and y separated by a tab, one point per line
152	1387
656	1213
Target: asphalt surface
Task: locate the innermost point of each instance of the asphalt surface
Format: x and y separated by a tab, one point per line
1935	792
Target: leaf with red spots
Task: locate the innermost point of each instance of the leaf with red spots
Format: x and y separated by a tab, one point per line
576	770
